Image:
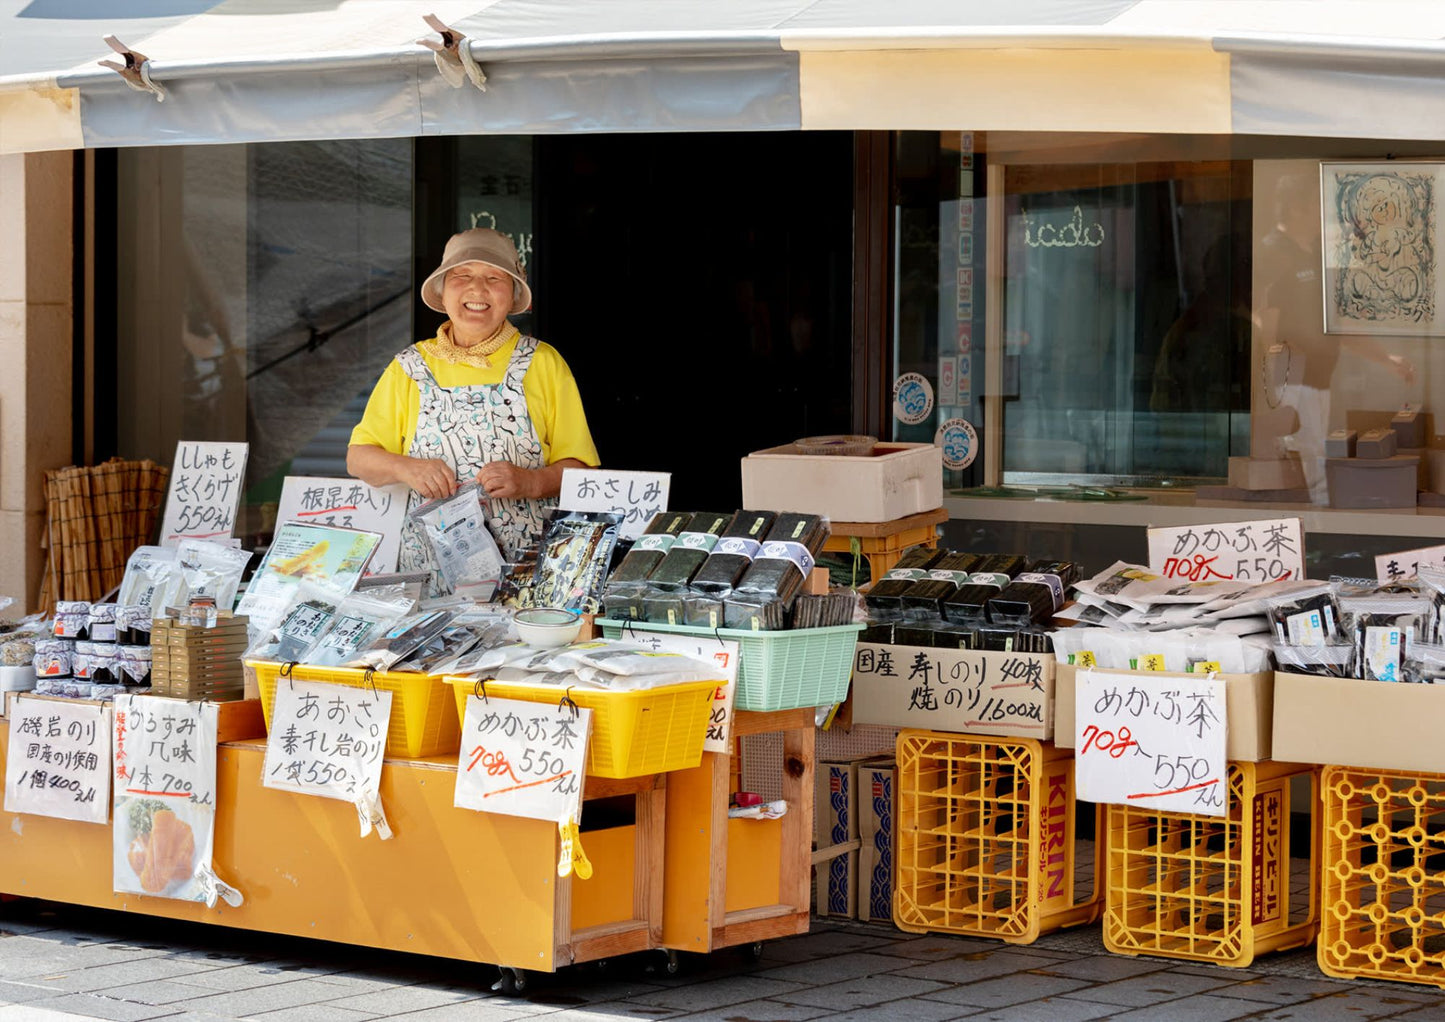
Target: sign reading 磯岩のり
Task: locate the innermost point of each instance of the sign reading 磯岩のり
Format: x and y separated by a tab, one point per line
523	759
348	504
1268	550
165	799
1407	563
328	740
1155	743
58	763
636	496
206	482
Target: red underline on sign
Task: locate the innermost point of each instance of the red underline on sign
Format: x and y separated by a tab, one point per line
161	794
202	535
1017	684
325	511
529	784
1175	791
996	723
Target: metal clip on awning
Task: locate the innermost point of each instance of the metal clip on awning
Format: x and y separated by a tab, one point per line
135	70
453	55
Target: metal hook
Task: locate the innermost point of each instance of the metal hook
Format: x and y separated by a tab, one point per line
136	69
369	678
480	690
567	701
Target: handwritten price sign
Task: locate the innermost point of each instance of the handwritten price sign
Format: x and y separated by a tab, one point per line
1406	563
723	653
205	491
1262	551
948	690
349	504
1155	743
523	759
636	496
59	760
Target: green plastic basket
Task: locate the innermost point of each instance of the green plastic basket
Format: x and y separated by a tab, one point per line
781	670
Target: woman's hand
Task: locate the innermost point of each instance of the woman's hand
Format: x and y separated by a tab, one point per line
503	479
431	477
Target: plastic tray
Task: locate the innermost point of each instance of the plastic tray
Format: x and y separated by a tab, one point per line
422	722
781	670
650	731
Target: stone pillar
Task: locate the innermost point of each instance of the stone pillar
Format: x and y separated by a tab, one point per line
35	356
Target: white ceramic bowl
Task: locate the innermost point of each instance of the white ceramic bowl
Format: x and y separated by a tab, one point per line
545	627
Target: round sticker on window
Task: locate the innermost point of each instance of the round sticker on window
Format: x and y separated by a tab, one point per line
959	442
912	398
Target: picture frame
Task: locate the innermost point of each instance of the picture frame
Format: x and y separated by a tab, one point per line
1381	247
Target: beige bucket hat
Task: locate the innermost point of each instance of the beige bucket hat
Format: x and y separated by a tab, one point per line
479	245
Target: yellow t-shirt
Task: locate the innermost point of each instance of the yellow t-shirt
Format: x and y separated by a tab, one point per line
551	391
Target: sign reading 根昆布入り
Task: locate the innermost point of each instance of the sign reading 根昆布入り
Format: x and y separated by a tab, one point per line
329	740
636	496
58	763
348	504
521	758
1154	743
1268	550
970	691
165	798
205	491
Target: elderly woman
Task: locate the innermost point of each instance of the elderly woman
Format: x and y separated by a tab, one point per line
479	400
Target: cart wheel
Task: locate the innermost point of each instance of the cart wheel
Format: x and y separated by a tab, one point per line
754	951
519	981
511	982
603	966
673	963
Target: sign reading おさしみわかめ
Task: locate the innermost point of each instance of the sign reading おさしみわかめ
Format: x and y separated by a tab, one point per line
1154	743
1268	550
636	496
58	763
205	491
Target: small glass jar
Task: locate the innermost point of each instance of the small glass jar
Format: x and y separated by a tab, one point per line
80	660
104	664
102	622
72	620
53	658
133	624
134	666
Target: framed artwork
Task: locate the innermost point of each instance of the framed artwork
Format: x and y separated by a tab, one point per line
1381	247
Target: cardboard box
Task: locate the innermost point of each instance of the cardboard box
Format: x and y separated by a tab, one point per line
877	783
895	481
1249	699
835	822
1348	722
960	690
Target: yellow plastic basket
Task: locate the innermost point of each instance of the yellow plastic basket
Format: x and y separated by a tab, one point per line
650	731
422	722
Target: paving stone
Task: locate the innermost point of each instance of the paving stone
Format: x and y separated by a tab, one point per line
1005	991
813	946
158	991
1279	989
933	949
716	994
314	1013
92	1007
102	977
1141	991
1049	1009
1199	1008
494	1010
24	992
1105	968
836	967
753	1011
414	997
240	977
908	1010
30	1013
255	1000
971	966
863	991
1349	1004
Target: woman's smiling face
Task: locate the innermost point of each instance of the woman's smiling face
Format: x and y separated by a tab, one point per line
477	297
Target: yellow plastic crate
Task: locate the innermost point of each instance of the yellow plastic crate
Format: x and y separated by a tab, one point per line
986	838
650	731
1383	885
1210	888
422	722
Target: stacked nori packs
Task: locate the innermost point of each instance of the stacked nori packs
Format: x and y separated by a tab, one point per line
664	601
622	598
765	593
724	567
1028	600
969	604
887	592
926	596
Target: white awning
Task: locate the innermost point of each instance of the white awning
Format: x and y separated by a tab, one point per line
265	70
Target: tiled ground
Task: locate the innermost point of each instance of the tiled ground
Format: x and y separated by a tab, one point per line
59	964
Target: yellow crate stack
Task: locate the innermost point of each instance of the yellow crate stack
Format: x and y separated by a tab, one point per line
1207	888
1383	887
986	838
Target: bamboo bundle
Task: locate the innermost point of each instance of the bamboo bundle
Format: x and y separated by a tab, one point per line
95	517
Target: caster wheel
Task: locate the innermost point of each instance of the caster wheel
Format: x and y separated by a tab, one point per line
753	952
510	983
673	965
519	982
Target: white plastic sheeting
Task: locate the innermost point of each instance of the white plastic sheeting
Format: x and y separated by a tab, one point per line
257	70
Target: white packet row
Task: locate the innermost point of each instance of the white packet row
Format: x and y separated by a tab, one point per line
1182	650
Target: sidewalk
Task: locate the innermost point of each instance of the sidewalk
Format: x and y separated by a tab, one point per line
59	963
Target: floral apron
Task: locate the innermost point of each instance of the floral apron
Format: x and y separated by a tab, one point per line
467	427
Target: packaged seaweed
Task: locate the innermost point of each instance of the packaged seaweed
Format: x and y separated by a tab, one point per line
468	558
402	639
704	610
969	604
153	580
1425	665
755	612
878	633
1067	571
1328	661
664	608
308	615
926	596
1032	597
572	559
734	552
824	610
359	619
1306	617
787	557
689	551
650	548
885	595
1002	564
212	569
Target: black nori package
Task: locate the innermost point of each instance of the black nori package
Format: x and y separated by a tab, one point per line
969	605
951	636
651	547
913	635
885	595
1000	640
755	613
688	551
1067	571
624	602
880	633
664	608
706	610
1002	564
572	559
926	596
824	610
734	552
786	558
1031	598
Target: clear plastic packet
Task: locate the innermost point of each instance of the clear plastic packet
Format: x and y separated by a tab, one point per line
467	556
485	660
1425	665
623	659
308	615
520	675
359	619
153	579
402	639
212	569
597	678
572	559
453	642
1252	600
1337	661
1306	617
1432	584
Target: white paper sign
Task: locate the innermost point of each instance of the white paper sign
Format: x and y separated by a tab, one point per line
724	653
205	490
947	381
351	504
520	758
1156	743
58	763
1407	563
1268	550
165	796
329	740
952	690
636	496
